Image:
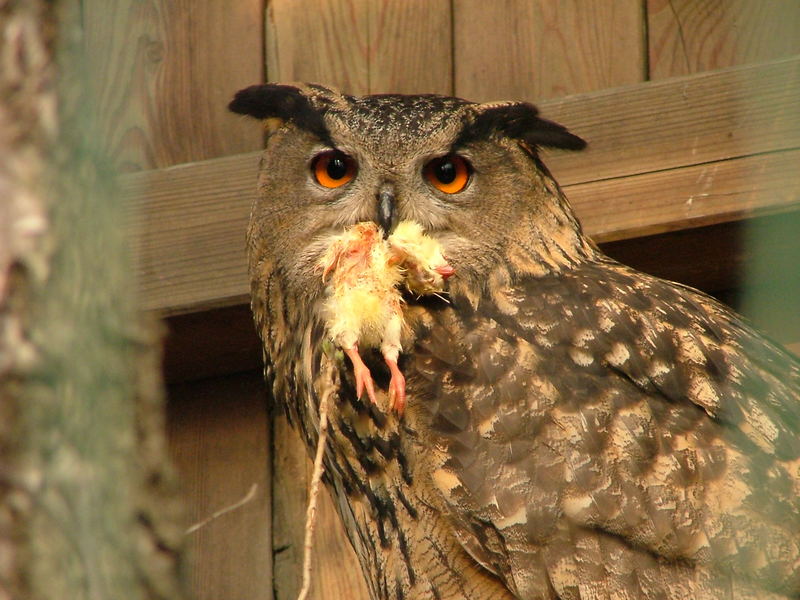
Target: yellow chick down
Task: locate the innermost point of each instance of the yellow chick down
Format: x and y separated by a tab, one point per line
420	257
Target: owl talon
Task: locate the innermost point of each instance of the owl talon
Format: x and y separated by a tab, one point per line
397	387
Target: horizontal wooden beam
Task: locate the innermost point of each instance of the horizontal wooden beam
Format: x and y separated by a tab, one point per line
694	196
673	123
663	156
189	225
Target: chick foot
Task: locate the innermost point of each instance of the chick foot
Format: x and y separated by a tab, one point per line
397	387
361	373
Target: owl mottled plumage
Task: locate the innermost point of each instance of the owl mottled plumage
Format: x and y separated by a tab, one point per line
574	428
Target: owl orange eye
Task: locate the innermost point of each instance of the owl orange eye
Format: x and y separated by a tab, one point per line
449	174
333	168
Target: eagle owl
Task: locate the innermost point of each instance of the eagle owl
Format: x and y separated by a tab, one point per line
573	429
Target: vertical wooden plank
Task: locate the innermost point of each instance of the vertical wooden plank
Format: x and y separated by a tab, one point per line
361	46
335	570
212	50
495	50
322	42
690	36
410	47
218	436
523	49
326	43
125	41
164	72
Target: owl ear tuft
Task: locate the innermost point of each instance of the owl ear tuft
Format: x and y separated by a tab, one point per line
285	102
519	121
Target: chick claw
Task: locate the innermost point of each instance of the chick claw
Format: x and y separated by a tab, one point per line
361	373
397	387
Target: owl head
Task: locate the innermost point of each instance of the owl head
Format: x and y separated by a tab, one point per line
470	174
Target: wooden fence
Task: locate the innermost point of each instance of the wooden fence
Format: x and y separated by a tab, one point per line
690	108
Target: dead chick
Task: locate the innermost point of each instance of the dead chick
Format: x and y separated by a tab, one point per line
363	306
420	257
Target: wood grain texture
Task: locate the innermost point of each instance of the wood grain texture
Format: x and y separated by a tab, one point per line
125	51
691	36
692	196
164	71
324	42
335	570
410	47
190	221
360	46
192	218
531	50
219	440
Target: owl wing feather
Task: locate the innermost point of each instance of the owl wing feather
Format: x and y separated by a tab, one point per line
606	430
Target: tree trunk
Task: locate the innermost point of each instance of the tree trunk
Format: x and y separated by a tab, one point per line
87	508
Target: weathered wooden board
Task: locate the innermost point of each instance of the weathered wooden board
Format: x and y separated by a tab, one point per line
323	42
690	36
531	50
361	46
196	264
190	221
692	196
410	47
125	52
219	440
164	71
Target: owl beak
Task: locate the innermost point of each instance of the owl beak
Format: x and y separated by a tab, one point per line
386	211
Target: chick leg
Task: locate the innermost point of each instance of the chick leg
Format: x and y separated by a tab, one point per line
397	386
390	348
361	373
